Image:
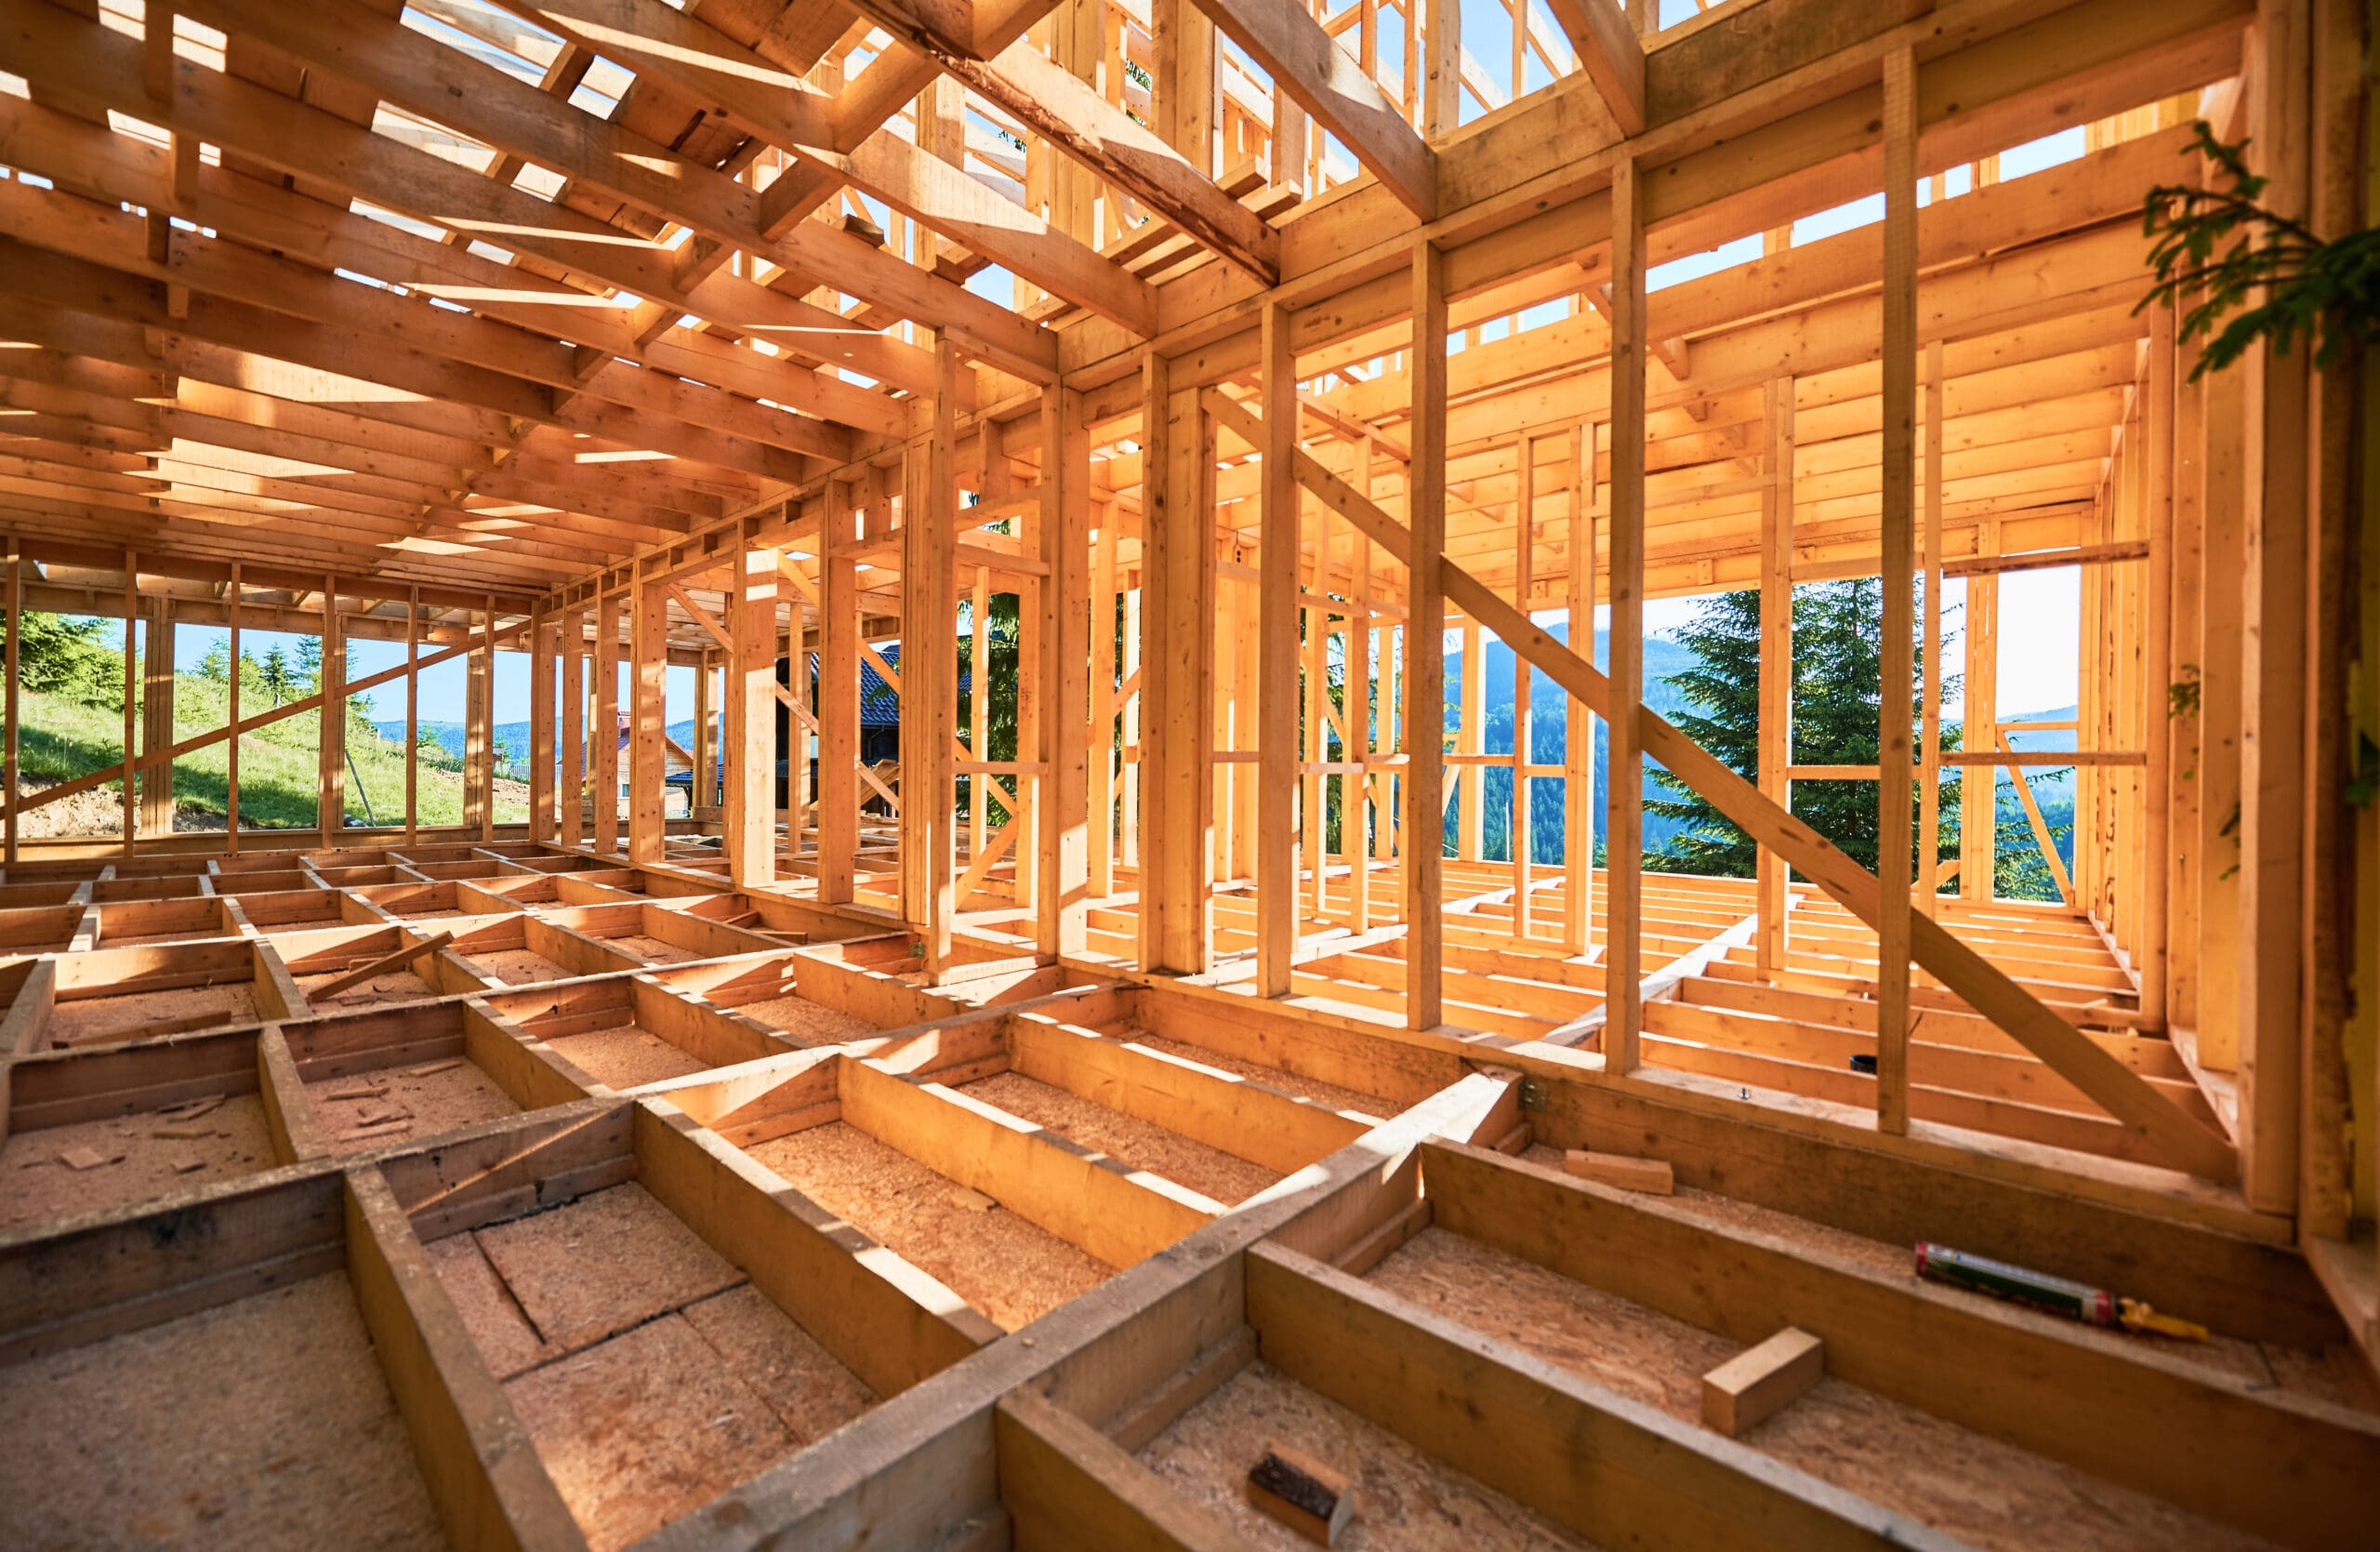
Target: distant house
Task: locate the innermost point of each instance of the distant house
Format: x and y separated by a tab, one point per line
879	727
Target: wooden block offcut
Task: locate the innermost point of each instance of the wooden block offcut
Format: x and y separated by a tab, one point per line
1653	1175
1302	1492
1760	1382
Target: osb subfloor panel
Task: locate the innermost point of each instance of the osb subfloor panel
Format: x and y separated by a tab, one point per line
395	986
1404	1500
519	967
650	1375
260	1424
93	1019
1012	1271
807	1022
654	952
1313	1089
1143	1145
144	1155
625	1055
2335	1376
1986	1493
419	1100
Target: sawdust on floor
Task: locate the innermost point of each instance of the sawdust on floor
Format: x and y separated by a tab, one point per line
198	1144
420	1099
519	967
262	1423
808	1023
1992	1495
1314	1089
396	986
1143	1145
91	1020
1008	1270
625	1055
1405	1499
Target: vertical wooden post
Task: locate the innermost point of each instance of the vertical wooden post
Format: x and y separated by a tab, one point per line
705	788
2149	957
979	709
839	700
1101	734
1425	645
1185	41
1313	848
1899	363
232	744
1578	723
331	719
1062	665
2272	808
12	722
929	668
131	825
1277	663
1774	881
541	726
1929	647
484	717
158	720
1980	793
1354	809
574	727
604	738
1624	853
1471	809
648	752
1176	677
749	825
413	712
1442	69
1523	526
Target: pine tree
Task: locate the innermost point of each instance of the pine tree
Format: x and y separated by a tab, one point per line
275	673
309	664
1838	653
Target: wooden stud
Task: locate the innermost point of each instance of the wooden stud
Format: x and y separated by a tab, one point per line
1899	558
413	714
12	719
1772	883
1278	686
751	821
131	824
1423	830
648	768
1624	822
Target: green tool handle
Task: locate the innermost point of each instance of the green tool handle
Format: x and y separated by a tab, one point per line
2076	1301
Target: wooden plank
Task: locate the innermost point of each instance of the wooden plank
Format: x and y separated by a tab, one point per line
1073	618
1177	664
1610	54
2036	1382
1422	818
11	717
1772	885
1067	1484
541	726
1306	63
1900	362
604	732
750	823
839	703
1761	1382
648	685
574	727
1624	849
413	718
489	1488
1277	685
1606	1468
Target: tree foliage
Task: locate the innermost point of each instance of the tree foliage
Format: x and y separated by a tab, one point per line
2220	255
1837	667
